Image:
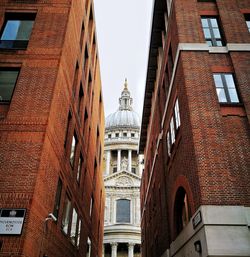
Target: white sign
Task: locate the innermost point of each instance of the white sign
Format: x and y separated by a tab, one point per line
11	221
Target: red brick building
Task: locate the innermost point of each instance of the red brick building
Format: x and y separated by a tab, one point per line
195	135
51	130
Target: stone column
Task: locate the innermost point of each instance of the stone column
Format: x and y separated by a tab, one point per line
114	249
108	163
103	250
130	160
131	250
118	160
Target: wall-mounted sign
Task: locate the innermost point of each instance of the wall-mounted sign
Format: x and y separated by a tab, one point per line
196	220
11	221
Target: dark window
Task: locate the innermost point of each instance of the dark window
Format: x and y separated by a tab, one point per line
170	63
57	198
16	30
109	135
116	134
134	170
132	134
123	211
66	215
114	169
73	150
211	31
8	78
125	134
247	18
67	129
78	233
80	100
225	88
182	210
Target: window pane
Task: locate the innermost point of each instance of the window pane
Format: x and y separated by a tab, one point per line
209	42
7	84
57	198
66	212
218	80
72	152
233	95
123	211
248	25
79	233
17	30
214	23
172	130
216	33
79	169
230	80
221	95
218	43
73	227
204	23
207	33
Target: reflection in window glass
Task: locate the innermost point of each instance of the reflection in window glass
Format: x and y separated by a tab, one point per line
72	151
66	213
225	88
7	83
73	227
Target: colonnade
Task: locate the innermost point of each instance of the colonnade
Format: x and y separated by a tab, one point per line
114	246
108	158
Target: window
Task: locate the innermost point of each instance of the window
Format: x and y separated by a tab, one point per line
67	129
134	170
78	233
123	211
73	230
114	169
172	130
16	30
91	206
57	198
177	114
8	78
116	134
66	214
211	31
247	18
109	135
125	134
132	134
225	88
182	210
79	168
88	247
73	149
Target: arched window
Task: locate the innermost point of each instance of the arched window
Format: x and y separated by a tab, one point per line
182	210
123	211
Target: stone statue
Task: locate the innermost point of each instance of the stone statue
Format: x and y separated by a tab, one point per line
124	163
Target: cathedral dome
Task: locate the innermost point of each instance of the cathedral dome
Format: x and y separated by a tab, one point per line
125	116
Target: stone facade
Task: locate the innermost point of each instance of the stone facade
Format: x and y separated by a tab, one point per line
122	177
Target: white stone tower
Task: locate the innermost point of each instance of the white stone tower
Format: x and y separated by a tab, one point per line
122	177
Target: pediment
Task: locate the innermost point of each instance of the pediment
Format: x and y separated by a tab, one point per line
122	179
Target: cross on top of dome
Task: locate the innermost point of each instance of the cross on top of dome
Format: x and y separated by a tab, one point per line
125	100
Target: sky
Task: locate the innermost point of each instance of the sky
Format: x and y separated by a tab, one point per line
123	33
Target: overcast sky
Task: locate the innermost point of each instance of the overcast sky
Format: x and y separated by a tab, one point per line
123	32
